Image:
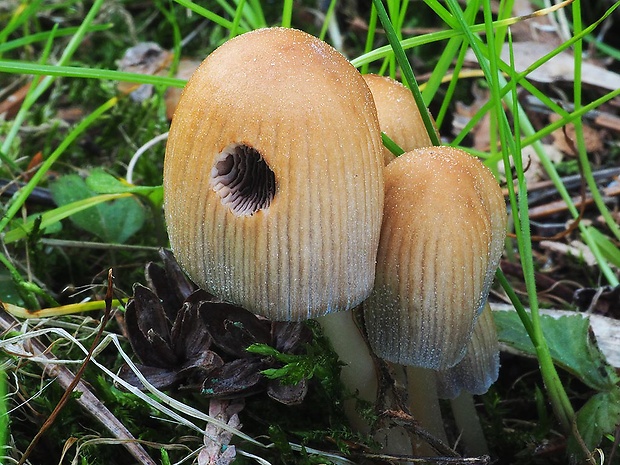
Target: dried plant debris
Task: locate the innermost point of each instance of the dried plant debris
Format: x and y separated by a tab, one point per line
604	300
151	59
144	58
218	449
234	330
187	339
171	351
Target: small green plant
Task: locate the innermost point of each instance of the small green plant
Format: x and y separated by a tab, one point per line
4	414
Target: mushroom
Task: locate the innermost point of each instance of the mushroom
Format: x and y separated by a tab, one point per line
273	184
474	374
398	113
441	241
273	177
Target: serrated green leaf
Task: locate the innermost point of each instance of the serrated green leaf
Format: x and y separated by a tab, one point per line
571	343
598	417
113	222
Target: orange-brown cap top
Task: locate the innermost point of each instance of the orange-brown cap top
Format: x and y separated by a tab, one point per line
399	116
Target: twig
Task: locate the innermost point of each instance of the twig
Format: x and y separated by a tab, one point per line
482	460
409	422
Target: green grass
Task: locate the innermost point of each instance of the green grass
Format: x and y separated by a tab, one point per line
53	59
4	413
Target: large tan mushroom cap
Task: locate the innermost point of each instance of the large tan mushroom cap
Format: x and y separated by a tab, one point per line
441	241
399	116
273	177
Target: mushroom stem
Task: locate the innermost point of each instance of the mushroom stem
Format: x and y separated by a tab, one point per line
424	406
359	373
468	424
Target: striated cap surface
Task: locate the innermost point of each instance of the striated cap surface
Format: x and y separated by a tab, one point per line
273	177
479	368
441	241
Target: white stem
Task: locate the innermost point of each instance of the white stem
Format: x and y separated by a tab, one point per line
468	424
136	156
359	374
424	406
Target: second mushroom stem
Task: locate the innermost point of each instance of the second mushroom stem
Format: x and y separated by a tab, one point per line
424	405
359	373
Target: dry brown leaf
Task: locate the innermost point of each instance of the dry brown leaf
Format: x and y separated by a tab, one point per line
10	106
144	58
535	171
150	58
538	29
464	113
593	138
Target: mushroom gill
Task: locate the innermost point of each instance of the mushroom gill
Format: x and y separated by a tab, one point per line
243	180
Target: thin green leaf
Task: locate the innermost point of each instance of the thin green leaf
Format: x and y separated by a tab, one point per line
23	194
391	145
606	246
206	13
53	216
44	36
24	67
407	71
19	17
47	81
287	13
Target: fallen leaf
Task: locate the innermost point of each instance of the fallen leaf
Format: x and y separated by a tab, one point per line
593	138
10	106
559	68
144	58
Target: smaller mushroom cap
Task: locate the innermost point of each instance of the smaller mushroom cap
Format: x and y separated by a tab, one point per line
441	240
399	116
479	368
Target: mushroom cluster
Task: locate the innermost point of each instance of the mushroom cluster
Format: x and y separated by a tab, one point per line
277	200
441	240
